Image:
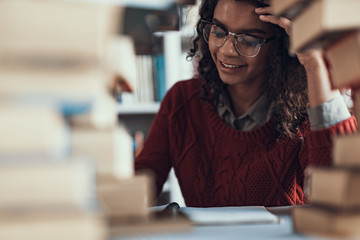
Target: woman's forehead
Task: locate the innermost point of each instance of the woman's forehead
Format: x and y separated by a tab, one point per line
236	15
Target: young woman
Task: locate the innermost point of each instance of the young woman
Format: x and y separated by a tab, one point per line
245	129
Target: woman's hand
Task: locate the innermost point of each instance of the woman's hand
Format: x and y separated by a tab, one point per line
319	85
266	16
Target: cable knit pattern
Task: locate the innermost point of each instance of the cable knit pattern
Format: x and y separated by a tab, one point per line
217	165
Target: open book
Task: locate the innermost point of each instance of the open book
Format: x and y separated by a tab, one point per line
229	215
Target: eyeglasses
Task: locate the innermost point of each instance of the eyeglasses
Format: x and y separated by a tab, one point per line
246	44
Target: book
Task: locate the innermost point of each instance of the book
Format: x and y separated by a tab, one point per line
144	90
52	224
346	151
100	115
121	63
111	149
48	185
355	97
315	220
61	54
229	215
343	58
69	30
126	200
152	226
32	133
162	220
159	77
334	187
60	88
99	145
289	8
323	22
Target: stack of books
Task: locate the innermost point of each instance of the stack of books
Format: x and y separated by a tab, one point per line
318	22
334	194
289	9
60	132
66	161
332	191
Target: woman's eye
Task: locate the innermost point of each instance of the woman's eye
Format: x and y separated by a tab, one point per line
218	32
249	40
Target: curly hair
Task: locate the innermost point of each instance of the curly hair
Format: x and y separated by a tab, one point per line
287	85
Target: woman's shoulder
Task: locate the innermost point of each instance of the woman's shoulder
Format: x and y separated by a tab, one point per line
182	93
186	89
192	84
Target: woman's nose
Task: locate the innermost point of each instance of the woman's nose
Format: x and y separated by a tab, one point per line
228	48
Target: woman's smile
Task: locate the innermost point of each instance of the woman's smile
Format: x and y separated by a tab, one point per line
229	68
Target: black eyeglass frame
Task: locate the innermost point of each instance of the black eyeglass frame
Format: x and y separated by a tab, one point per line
262	41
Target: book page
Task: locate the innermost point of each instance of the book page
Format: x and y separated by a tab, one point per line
229	215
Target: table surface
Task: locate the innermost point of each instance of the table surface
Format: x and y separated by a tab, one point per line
282	230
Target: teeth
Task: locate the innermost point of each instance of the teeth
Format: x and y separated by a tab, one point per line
229	66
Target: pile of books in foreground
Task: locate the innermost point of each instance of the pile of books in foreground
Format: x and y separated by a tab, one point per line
334	194
333	191
58	120
66	162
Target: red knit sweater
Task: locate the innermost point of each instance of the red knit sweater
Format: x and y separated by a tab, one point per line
217	165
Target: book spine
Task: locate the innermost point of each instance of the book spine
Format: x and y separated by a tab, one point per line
159	77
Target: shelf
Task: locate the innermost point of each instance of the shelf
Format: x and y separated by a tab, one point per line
153	4
184	33
139	108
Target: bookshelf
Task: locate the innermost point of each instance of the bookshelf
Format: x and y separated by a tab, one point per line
153	4
138	108
138	114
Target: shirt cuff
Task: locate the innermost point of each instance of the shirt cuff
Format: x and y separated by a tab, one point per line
328	114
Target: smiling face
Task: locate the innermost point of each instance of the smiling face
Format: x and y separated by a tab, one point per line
235	69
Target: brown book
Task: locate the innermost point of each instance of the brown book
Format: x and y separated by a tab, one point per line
47	185
98	145
126	200
121	66
101	116
344	61
323	22
355	95
63	29
153	226
54	85
334	187
289	8
52	224
325	222
346	151
63	41
31	133
111	149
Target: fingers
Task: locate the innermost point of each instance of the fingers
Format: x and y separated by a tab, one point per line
280	21
310	54
263	10
265	16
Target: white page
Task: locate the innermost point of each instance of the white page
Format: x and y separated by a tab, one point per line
229	215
